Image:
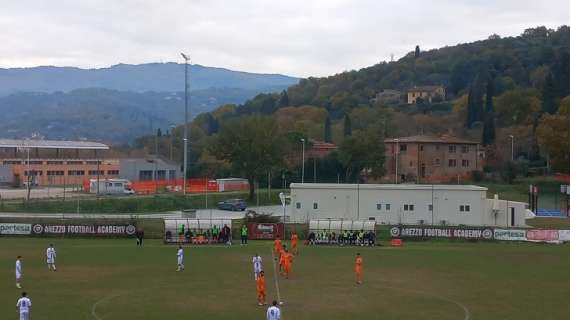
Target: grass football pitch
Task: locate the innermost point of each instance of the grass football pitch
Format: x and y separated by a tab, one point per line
113	279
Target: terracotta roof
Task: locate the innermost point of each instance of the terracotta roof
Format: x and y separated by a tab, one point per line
430	139
424	88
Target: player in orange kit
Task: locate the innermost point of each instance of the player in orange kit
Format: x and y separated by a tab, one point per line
294	242
261	289
287	263
282	257
277	246
358	268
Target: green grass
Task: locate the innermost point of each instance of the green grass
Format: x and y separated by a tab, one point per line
135	204
422	280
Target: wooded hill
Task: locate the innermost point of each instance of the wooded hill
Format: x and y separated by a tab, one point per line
503	85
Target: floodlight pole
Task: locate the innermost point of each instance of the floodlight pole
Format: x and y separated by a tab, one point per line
186	58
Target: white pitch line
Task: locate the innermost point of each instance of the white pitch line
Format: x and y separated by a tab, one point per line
276	276
94	307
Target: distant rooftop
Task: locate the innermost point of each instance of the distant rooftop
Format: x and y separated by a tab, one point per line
366	186
430	139
52	144
424	88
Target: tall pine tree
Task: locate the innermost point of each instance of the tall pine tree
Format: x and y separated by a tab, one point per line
328	133
284	99
475	112
549	95
489	134
347	126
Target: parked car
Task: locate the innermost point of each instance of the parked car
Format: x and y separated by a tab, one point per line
232	205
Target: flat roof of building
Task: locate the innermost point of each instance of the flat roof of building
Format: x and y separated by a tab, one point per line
52	144
365	186
445	139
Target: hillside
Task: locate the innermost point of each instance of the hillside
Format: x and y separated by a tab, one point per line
514	82
105	115
160	77
119	103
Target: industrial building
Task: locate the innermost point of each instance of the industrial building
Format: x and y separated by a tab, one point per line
149	169
408	204
61	163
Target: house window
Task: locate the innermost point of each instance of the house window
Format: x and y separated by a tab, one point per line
405	207
408	207
430	207
113	172
75	173
411	207
55	173
452	163
33	173
94	172
298	205
464	149
452	149
403	147
465	208
378	206
54	162
421	148
315	205
387	207
465	163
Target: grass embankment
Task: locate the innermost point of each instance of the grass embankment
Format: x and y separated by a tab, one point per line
135	204
112	279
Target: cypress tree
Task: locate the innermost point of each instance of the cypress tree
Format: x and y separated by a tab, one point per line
328	133
489	134
284	100
347	126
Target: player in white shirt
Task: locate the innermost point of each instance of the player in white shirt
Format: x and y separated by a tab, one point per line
50	255
257	266
273	313
18	272
23	306
180	258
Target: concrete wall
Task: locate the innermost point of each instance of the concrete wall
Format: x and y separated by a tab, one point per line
363	202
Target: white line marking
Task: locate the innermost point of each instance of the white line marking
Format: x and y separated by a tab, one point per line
94	307
275	276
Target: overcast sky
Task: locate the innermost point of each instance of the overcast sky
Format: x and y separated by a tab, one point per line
294	37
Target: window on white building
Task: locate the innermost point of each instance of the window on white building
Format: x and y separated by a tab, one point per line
378	206
464	208
298	205
430	207
315	205
387	207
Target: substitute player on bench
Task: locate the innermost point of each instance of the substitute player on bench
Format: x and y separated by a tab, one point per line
358	268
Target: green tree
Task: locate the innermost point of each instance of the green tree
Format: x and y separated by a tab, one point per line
362	151
554	135
489	134
284	99
252	145
549	95
475	103
328	132
347	126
